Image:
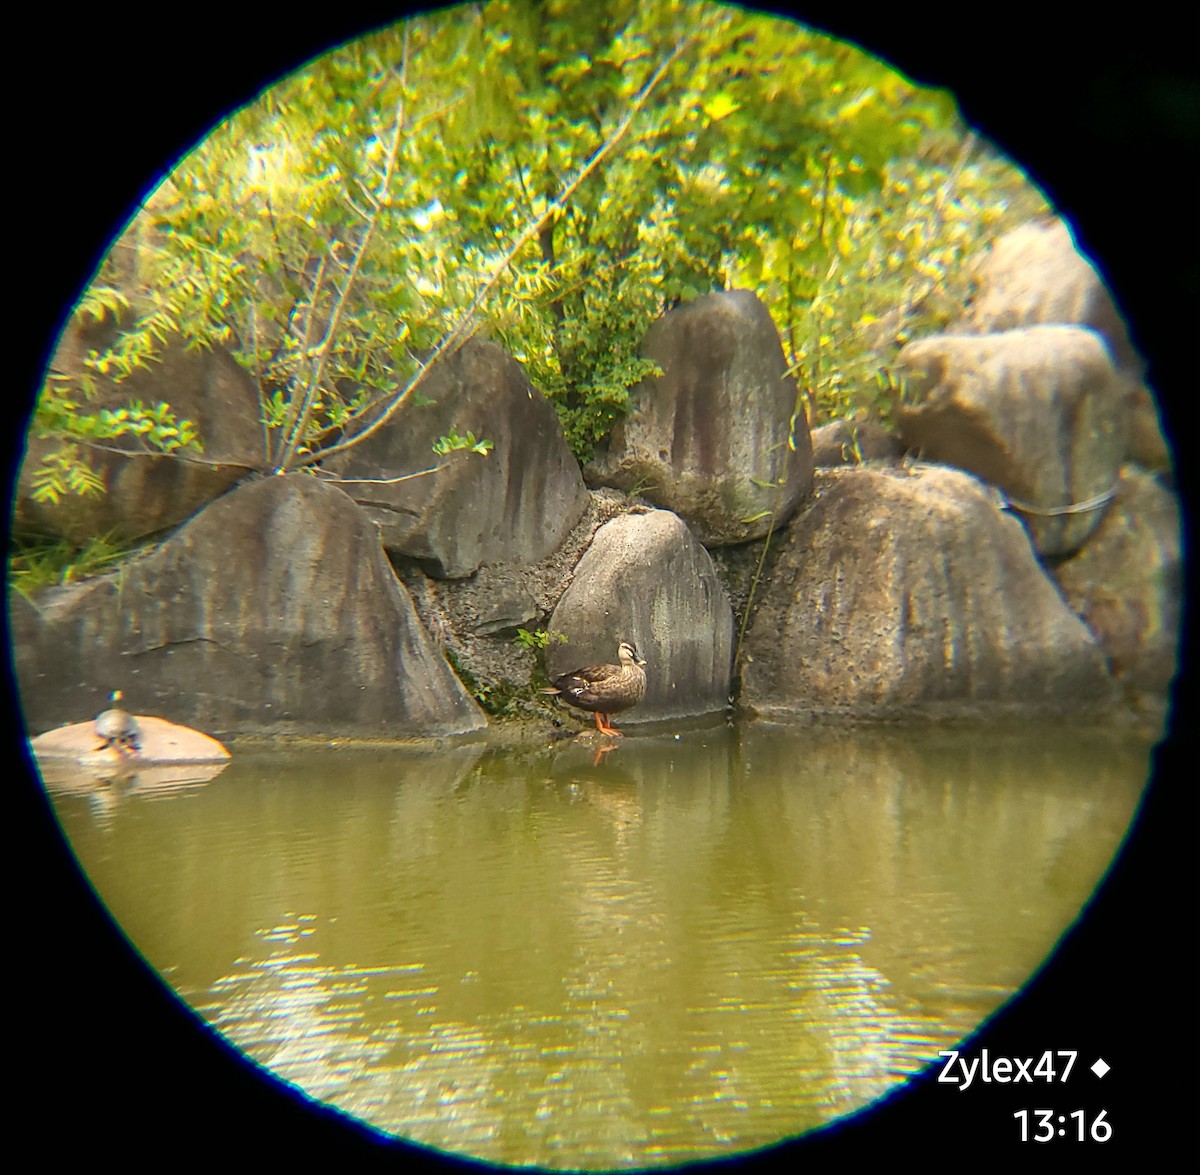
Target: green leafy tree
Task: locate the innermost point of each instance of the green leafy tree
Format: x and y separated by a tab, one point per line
598	163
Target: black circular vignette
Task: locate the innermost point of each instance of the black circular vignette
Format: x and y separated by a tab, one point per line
1103	113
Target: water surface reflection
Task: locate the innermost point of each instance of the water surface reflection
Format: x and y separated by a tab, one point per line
701	944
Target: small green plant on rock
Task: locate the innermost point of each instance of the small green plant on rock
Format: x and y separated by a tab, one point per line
453	443
496	697
538	639
35	564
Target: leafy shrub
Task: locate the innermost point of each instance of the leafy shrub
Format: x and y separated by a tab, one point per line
602	161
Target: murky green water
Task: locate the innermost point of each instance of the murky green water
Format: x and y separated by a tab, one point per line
696	946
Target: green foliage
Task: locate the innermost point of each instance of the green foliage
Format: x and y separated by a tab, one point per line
140	326
42	563
343	231
65	470
539	638
454	443
101	302
900	270
498	698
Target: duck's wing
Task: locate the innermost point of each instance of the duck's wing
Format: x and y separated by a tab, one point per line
596	674
585	687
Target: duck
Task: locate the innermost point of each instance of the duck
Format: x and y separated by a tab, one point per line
605	689
117	729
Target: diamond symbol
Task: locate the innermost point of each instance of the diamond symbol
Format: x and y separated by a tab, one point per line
1100	1067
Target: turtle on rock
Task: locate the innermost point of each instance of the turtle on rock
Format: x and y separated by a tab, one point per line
118	729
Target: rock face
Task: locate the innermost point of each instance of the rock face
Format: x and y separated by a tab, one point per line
1035	275
476	620
851	442
713	438
150	492
646	579
908	592
274	611
516	504
1041	413
1127	583
1147	444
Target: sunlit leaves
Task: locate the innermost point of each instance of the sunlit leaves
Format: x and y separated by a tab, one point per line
100	302
41	563
901	269
154	426
65	472
720	106
539	638
453	443
771	157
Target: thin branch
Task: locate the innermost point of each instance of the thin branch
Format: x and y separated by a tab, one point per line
258	379
146	451
361	213
385	481
287	453
749	607
292	310
298	411
465	327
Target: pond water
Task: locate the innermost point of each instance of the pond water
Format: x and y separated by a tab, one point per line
705	942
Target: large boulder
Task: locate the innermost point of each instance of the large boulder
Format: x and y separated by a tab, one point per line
478	620
909	592
645	578
1035	275
1039	412
148	491
716	438
274	611
1127	584
516	504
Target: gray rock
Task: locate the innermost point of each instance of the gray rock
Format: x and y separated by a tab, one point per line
516	504
909	592
851	442
512	608
274	611
1127	583
150	492
1034	275
645	578
716	438
1040	412
1147	442
476	619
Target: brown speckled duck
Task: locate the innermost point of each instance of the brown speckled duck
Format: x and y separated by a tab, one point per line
605	689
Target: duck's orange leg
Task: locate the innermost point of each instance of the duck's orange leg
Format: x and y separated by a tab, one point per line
606	727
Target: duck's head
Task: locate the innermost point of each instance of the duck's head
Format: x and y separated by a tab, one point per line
629	654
